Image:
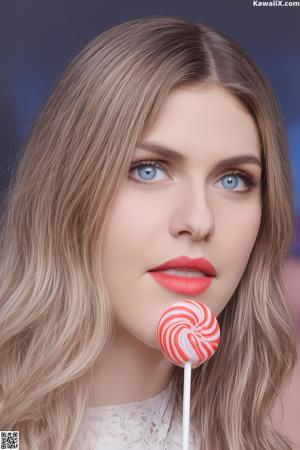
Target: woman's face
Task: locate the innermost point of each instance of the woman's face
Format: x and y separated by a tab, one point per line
187	206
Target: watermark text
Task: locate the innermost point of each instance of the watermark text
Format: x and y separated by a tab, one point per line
275	3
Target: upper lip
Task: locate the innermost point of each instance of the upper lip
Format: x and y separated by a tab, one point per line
184	262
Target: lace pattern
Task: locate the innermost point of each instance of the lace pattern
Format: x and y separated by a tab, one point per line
150	424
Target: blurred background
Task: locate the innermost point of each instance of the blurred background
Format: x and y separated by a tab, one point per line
39	39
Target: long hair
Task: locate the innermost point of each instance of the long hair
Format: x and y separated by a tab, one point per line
55	313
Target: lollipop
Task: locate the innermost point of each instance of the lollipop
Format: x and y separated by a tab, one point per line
188	331
188	334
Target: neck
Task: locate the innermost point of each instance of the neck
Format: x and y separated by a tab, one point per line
129	371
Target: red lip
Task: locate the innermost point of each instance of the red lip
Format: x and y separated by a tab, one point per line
183	262
184	285
181	285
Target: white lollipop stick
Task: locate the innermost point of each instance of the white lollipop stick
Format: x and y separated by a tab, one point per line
186	405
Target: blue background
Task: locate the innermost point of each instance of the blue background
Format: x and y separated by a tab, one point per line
39	38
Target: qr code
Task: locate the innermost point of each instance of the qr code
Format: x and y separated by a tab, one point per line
9	439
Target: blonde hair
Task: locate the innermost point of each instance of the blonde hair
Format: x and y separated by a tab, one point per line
55	313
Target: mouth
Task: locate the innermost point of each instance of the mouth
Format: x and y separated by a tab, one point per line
184	275
182	281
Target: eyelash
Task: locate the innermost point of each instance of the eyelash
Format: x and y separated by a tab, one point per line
247	177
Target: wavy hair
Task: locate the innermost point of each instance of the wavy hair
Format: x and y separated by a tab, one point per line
55	313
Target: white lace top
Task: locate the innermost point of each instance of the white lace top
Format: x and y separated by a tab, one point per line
150	424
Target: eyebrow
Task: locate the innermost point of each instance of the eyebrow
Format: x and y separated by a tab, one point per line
167	152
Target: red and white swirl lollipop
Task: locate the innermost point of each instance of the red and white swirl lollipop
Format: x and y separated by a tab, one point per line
188	331
188	334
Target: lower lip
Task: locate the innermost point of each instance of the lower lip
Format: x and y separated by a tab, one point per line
181	285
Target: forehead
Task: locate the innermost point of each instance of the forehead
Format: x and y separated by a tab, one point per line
207	118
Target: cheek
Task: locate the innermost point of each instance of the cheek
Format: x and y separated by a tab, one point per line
249	228
235	239
241	231
127	232
134	221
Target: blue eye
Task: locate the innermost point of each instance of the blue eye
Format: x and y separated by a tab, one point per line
147	170
231	180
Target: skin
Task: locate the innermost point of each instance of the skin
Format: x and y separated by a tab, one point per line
186	208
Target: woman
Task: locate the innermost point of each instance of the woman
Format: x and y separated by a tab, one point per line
85	226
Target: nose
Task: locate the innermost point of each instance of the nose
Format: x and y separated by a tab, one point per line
192	213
